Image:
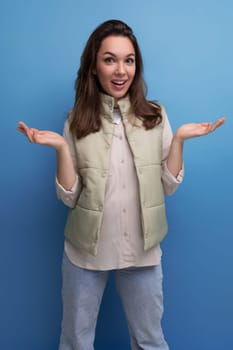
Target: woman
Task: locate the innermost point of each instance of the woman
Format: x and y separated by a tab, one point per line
116	160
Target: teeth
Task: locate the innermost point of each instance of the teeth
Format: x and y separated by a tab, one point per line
118	82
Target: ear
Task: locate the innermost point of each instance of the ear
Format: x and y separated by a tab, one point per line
94	71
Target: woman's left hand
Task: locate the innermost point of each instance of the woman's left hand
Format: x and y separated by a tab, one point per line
191	130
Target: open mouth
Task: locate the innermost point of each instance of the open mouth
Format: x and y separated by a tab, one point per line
119	83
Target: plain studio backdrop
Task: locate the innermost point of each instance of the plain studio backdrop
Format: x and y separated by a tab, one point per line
188	54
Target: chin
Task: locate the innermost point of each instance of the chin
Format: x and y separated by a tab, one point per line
120	95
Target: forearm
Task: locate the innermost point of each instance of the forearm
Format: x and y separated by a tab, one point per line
66	175
175	156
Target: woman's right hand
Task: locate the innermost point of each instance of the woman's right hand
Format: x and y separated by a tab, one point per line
42	137
66	174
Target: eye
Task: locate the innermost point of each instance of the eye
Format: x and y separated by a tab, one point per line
130	60
109	60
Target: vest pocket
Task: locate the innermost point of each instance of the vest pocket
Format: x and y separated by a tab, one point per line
82	228
155	225
151	186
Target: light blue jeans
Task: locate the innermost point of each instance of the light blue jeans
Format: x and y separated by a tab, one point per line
140	290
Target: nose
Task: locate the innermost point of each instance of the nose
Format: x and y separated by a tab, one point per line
120	69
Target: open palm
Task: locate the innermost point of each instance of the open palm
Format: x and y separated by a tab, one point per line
190	130
42	137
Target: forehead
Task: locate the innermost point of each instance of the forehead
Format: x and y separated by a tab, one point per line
117	45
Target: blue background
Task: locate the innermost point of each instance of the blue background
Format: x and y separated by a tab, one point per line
188	55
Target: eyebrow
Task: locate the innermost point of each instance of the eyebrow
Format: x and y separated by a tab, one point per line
112	54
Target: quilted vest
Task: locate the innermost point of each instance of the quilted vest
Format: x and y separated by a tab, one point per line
83	225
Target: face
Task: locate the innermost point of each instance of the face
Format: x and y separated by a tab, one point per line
115	65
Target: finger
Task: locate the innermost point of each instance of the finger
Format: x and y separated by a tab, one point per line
19	128
23	128
29	133
217	124
205	128
25	133
22	125
220	121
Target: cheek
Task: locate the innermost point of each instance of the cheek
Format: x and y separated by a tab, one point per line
103	75
132	71
132	74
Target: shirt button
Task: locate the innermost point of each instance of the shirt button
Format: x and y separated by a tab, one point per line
124	210
122	161
125	234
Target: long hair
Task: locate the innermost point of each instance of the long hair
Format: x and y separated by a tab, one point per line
85	115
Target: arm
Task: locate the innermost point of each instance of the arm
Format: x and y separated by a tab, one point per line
66	174
69	197
187	131
170	182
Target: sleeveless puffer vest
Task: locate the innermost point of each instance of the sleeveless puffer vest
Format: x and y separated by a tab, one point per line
83	225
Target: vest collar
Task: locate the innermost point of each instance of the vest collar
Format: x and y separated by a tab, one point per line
108	103
124	104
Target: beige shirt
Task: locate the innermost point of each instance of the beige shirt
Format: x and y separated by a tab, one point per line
121	241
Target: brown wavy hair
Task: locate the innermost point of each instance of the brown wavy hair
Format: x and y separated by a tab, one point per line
85	115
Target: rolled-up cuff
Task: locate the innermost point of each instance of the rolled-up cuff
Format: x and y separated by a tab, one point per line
68	197
171	182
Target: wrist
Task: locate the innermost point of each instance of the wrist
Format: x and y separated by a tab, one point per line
62	148
178	139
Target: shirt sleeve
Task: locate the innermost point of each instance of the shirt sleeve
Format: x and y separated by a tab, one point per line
70	197
170	182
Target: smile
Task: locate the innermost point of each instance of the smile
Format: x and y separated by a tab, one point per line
119	82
